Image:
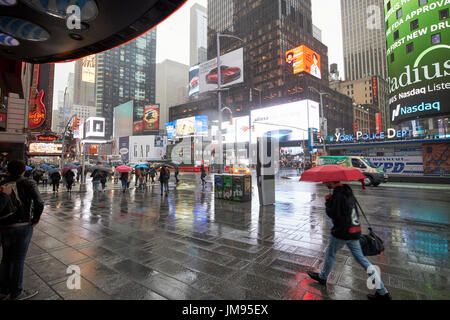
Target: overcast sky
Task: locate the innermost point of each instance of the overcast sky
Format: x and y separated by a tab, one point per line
173	38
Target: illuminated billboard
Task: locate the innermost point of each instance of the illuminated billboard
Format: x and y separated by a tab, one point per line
151	118
95	127
290	120
46	149
171	130
232	71
197	125
123	120
304	59
88	69
186	127
418	51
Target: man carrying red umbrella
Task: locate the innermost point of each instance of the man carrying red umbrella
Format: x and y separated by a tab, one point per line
342	209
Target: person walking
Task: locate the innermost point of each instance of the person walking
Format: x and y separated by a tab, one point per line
96	180
341	208
21	207
79	170
45	178
124	178
103	179
137	173
177	172
69	176
116	177
55	177
152	174
203	176
164	177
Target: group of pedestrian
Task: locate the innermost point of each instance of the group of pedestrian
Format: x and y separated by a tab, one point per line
99	177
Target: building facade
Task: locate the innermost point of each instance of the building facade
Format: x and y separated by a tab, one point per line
269	29
126	73
364	39
84	86
198	34
172	80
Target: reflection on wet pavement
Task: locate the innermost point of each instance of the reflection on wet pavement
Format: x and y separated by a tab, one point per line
140	245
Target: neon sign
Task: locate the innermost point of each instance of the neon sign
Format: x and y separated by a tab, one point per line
360	136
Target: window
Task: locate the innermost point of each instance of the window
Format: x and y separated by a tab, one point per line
399	13
443	14
356	163
414	24
422	2
410	47
392	57
396	35
389	6
435	38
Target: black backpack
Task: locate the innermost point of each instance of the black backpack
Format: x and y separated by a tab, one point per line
14	203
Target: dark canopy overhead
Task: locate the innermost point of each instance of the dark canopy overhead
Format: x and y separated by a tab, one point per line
37	31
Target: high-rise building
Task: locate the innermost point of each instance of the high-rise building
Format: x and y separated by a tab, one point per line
84	82
171	78
199	34
123	74
269	30
364	39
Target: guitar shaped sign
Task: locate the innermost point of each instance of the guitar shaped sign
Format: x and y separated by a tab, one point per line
37	112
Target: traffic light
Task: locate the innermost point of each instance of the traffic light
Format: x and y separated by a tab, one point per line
76	124
355	126
231	119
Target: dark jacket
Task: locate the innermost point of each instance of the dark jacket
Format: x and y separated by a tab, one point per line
69	175
96	175
29	196
124	175
341	208
55	176
164	176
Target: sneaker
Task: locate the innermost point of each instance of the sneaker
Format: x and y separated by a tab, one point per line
378	296
26	294
315	276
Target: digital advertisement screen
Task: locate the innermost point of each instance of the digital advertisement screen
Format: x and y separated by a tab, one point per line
123	120
304	59
186	127
151	118
88	69
418	54
45	148
171	129
201	125
289	121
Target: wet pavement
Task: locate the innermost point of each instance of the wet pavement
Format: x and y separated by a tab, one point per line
139	245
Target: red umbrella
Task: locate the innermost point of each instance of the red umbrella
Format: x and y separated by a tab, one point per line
332	173
123	169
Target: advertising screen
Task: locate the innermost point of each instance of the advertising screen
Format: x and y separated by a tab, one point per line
418	54
123	120
194	80
304	59
49	149
171	129
201	125
151	118
238	131
95	127
232	71
289	120
143	149
88	69
186	127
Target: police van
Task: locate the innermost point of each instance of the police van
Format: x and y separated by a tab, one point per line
374	176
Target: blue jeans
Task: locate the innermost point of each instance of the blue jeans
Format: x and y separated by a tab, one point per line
334	245
124	184
15	242
164	185
96	185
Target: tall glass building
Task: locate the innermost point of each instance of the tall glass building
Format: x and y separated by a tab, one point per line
126	73
364	39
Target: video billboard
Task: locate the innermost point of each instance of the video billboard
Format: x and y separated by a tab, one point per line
290	120
88	69
186	127
151	118
232	71
171	129
418	52
123	120
194	80
304	59
47	149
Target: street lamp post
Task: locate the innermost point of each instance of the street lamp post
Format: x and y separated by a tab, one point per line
322	118
219	95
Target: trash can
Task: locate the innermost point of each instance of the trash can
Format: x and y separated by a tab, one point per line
218	186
